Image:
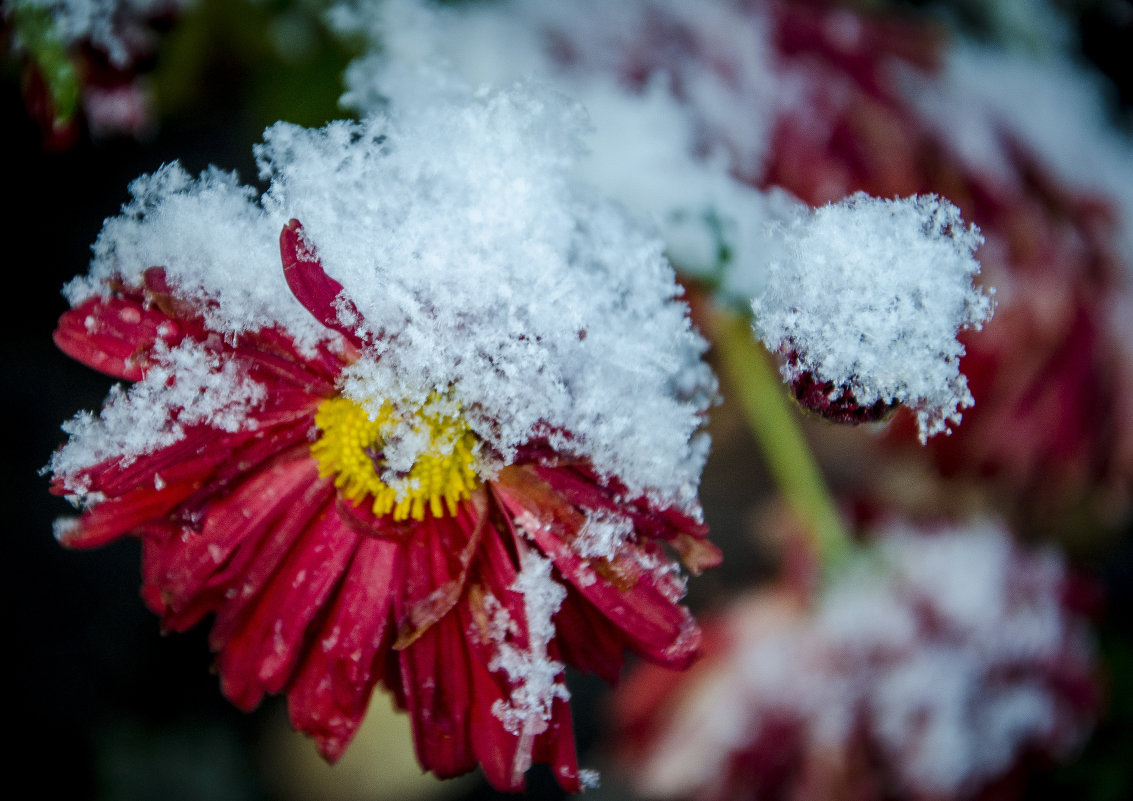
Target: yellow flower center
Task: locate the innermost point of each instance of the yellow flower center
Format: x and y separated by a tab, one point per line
352	448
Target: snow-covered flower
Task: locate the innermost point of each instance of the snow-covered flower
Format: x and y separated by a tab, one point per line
449	447
933	668
862	298
867	321
744	129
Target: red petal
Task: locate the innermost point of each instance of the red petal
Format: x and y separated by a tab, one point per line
113	335
494	746
655	626
305	585
289	367
262	653
423	612
310	284
190	459
556	748
247	453
506	755
686	533
324	359
204	568
436	672
115	517
257	564
587	640
329	696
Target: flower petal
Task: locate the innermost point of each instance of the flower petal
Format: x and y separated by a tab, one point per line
587	640
210	569
116	516
263	651
515	723
687	534
629	596
436	672
425	611
329	696
113	335
317	291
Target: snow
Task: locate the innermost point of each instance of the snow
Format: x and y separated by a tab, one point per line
954	701
481	271
219	248
871	297
988	102
647	150
950	681
535	678
187	385
603	534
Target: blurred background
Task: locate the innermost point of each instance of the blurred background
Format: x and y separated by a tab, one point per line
103	705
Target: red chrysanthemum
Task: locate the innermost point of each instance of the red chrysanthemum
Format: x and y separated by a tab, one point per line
465	599
1049	375
943	667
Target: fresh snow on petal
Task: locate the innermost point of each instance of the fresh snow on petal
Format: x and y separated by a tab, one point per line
187	385
871	298
535	678
218	247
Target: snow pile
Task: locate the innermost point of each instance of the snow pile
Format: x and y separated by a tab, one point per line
648	149
480	271
876	311
867	295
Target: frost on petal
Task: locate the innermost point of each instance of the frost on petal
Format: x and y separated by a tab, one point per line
870	299
218	248
185	386
535	678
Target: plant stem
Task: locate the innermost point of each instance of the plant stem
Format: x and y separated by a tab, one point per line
775	423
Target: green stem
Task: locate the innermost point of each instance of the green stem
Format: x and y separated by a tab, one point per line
775	423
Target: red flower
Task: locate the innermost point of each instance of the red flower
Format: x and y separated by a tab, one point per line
1050	373
943	667
465	597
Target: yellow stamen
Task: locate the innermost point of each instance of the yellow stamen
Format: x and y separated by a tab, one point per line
351	448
